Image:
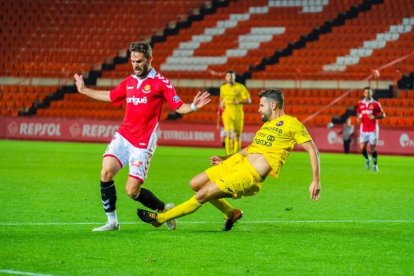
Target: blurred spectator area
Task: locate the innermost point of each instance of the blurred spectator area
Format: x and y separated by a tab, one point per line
318	41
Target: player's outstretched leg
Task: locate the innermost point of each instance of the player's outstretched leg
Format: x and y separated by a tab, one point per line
150	200
183	209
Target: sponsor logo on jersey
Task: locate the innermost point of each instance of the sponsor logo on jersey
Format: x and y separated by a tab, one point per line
130	87
280	123
147	89
176	99
137	101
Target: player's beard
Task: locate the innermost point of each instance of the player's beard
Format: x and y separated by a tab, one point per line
144	71
264	118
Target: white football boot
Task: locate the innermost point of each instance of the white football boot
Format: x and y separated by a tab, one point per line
172	223
107	227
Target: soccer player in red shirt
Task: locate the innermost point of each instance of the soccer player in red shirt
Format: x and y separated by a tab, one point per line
368	113
135	141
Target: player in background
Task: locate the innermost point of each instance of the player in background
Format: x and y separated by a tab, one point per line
135	141
233	96
241	174
369	111
347	132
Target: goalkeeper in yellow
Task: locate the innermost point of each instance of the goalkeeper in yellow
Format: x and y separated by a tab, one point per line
233	96
243	173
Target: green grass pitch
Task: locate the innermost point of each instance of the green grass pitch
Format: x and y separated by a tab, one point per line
50	201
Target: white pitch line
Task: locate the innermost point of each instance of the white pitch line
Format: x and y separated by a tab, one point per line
207	222
15	272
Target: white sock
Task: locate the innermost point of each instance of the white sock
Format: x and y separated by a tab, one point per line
112	217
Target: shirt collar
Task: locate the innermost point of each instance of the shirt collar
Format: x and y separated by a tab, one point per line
369	101
151	74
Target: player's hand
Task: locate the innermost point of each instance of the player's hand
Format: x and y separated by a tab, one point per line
215	160
201	99
314	190
80	84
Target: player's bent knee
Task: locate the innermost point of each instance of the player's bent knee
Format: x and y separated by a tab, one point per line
201	197
106	175
198	181
194	184
133	187
132	192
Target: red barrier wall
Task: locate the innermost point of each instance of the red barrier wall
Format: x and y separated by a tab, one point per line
392	141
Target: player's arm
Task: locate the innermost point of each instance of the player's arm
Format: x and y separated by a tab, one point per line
315	186
221	104
243	101
200	100
380	114
245	97
215	159
101	95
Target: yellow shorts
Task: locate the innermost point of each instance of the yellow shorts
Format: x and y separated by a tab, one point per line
233	121
236	177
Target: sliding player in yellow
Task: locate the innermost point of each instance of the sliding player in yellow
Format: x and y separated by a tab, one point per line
233	96
242	174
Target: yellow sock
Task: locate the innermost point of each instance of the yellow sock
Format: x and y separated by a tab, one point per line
183	209
237	145
228	145
224	206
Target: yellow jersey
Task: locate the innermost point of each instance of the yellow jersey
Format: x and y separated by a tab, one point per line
276	139
231	93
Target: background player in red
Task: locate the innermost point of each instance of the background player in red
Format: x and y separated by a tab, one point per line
368	113
135	141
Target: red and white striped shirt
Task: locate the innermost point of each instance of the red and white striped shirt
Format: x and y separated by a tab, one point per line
144	99
364	110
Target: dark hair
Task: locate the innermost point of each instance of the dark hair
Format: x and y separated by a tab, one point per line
141	47
273	95
230	72
367	88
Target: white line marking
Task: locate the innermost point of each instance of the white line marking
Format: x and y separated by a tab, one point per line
15	272
207	222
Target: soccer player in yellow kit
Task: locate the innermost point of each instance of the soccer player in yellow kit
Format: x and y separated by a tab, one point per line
233	96
243	173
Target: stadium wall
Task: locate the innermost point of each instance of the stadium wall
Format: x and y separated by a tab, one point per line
392	141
